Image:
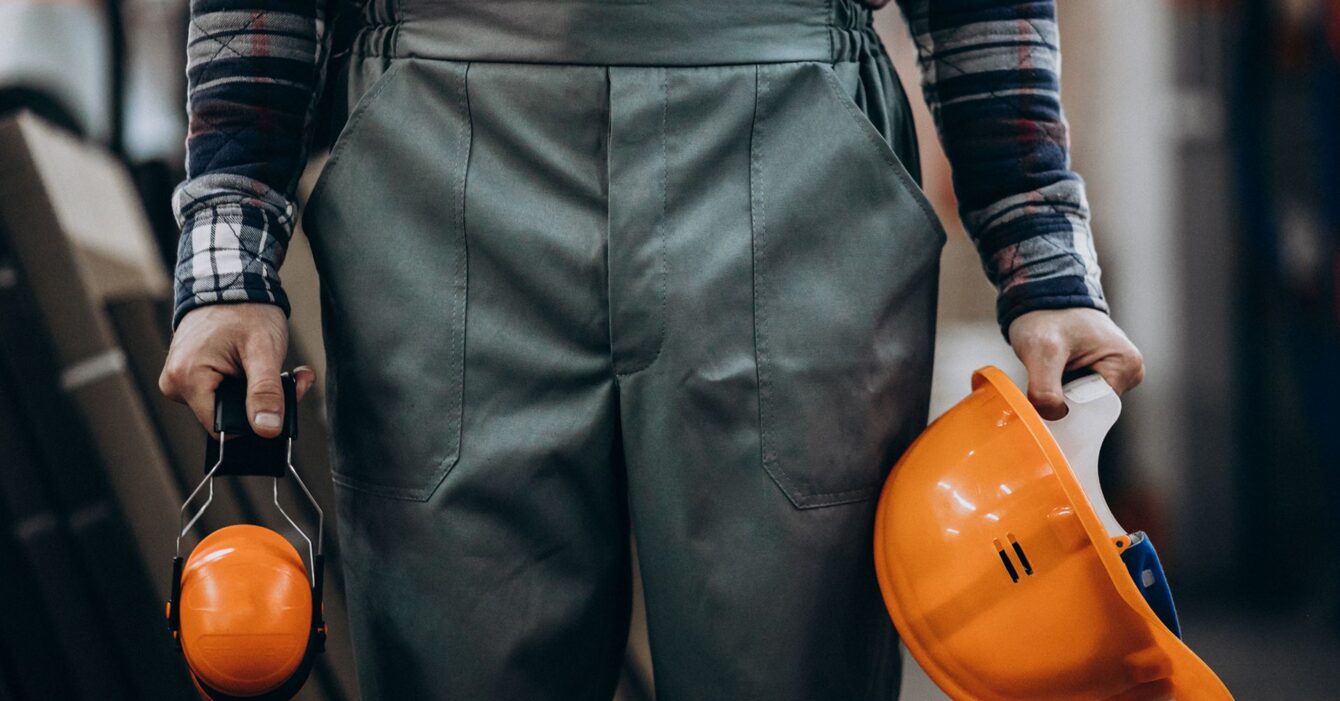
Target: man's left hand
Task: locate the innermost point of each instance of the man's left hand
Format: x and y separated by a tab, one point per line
1051	341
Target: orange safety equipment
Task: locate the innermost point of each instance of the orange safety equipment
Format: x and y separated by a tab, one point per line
1002	566
245	610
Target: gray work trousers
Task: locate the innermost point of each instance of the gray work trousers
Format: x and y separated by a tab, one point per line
597	266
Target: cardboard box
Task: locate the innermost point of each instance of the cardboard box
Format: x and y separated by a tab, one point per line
72	220
90	576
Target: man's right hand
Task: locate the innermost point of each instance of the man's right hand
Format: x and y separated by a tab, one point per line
222	340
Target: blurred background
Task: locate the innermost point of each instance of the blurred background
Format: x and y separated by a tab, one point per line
1208	132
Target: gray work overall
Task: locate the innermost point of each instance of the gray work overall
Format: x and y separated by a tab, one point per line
598	265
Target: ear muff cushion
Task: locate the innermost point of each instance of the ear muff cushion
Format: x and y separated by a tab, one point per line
246	613
283	692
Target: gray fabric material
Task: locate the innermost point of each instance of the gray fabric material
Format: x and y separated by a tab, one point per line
617	32
693	300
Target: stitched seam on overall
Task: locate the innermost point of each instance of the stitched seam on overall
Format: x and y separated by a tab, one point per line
365	104
465	144
760	239
771	464
660	223
862	123
465	138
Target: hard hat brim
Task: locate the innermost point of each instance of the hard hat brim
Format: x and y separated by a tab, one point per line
1176	667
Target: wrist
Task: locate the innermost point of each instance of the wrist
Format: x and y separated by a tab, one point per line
1069	292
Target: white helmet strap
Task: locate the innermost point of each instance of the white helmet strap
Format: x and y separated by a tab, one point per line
1093	409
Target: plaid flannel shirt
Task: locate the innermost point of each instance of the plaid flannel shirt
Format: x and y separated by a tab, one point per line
990	74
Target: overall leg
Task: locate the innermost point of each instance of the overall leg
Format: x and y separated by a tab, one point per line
792	326
460	236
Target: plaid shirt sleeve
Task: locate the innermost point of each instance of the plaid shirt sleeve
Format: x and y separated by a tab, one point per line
990	72
989	67
253	72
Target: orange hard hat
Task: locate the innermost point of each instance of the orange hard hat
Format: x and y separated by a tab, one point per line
1006	574
245	612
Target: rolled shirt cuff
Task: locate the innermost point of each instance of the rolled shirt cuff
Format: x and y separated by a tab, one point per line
1054	269
230	252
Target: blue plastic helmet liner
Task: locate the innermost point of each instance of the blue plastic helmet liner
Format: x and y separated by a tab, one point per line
1142	562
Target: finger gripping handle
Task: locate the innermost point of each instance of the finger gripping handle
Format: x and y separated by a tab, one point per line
246	453
230	407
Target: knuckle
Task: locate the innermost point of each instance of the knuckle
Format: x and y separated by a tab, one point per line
173	371
172	380
1131	359
1047	396
260	343
255	344
165	384
265	388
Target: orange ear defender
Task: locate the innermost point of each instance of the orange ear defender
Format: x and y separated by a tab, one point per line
1005	572
245	610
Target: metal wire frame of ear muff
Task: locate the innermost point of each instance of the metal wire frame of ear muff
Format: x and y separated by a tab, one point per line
230	412
313	548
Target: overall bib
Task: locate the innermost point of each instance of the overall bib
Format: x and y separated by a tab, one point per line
598	265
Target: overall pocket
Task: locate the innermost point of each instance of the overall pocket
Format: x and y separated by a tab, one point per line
386	223
846	260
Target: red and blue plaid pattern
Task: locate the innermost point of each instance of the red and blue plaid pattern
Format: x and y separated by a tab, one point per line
253	71
990	72
991	76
